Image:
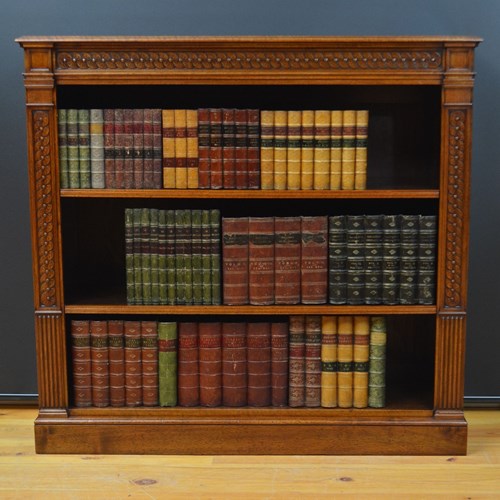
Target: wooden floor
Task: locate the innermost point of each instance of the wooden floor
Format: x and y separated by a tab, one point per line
26	475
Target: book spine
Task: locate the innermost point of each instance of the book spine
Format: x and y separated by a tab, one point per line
287	260
133	370
307	150
321	149
314	259
355	259
216	168
180	263
348	149
391	259
210	352
138	168
97	148
206	259
171	258
215	256
168	142
313	361
267	149
73	148
147	150
137	254
62	138
180	132
146	255
188	256
377	363
192	148
228	149
261	260
259	364
337	259
427	259
329	361
116	363
294	120
280	149
188	369
149	363
253	148
345	356
361	153
297	362
126	141
336	149
279	364
109	148
167	363
409	260
203	148
361	353
374	258
196	257
162	257
234	364
129	255
241	149
157	149
84	147
120	149
154	256
82	364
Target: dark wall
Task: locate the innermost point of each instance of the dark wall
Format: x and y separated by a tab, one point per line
255	17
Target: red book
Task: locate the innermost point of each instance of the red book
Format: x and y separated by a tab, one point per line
120	152
287	260
149	362
82	366
133	371
116	363
127	142
210	350
228	149
203	148
259	364
216	169
279	364
138	148
147	152
188	372
241	155
109	148
253	149
234	364
314	260
296	368
261	260
157	149
235	260
99	355
313	361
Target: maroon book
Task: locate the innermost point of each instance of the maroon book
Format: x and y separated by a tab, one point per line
296	367
241	155
235	260
234	364
188	371
116	363
133	371
259	364
228	149
210	351
279	364
149	362
203	148
287	241
314	260
99	355
120	152
253	149
82	365
261	260
138	148
147	151
127	141
216	168
109	148
157	149
313	361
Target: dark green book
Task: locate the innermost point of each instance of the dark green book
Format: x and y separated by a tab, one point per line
374	237
63	149
167	363
162	257
146	255
84	147
154	244
355	259
73	150
206	260
180	269
188	259
377	363
426	286
170	258
409	260
196	259
337	257
215	255
129	255
137	246
391	259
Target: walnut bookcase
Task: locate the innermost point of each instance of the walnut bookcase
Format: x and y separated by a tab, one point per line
419	93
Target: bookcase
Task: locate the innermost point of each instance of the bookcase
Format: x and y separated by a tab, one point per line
418	91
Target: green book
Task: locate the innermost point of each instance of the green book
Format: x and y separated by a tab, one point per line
137	261
162	257
129	255
167	363
206	260
196	256
72	143
215	255
170	258
188	256
155	277
376	374
84	147
63	149
146	255
180	268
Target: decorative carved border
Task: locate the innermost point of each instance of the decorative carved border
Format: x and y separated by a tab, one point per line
249	60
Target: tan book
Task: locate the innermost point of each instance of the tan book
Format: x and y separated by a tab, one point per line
192	148
329	361
345	358
280	149
321	149
180	149
293	149
348	149
360	163
307	154
267	149
336	150
361	358
168	132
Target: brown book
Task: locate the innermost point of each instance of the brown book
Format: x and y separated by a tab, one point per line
241	148
253	149
279	364
313	361
210	352
138	148
228	149
127	142
116	363
133	371
203	148
314	259
261	260
297	363
361	355
345	330
99	355
216	168
109	148
157	149
149	361
234	364
192	148
180	133
287	243
147	150
259	364
119	130
82	364
235	260
168	143
188	372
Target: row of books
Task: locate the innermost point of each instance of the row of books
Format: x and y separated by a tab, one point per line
311	361
172	256
110	148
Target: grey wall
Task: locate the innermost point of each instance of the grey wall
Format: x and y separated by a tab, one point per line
253	17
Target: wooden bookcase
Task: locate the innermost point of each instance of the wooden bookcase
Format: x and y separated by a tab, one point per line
419	93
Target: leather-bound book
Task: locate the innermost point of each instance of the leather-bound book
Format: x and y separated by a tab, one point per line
215	256
167	363
336	149
96	149
329	361
241	148
361	154
181	244
216	168
126	140
427	259
253	149
210	352
279	364
133	369
157	149
348	148
313	361
206	259
307	150
162	257
280	149
345	355
180	133
361	355
228	149
138	148
84	147
196	257
409	259
377	364
355	259
137	255
116	363
188	372
120	150
192	148
170	258
314	259
129	255
203	148
321	149
73	149
147	150
374	258
267	149
99	355
293	160
168	141
146	255
235	260
261	260
234	364
297	362
82	364
149	361
259	364
109	148
154	255
188	257
62	138
391	249
337	259
287	260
